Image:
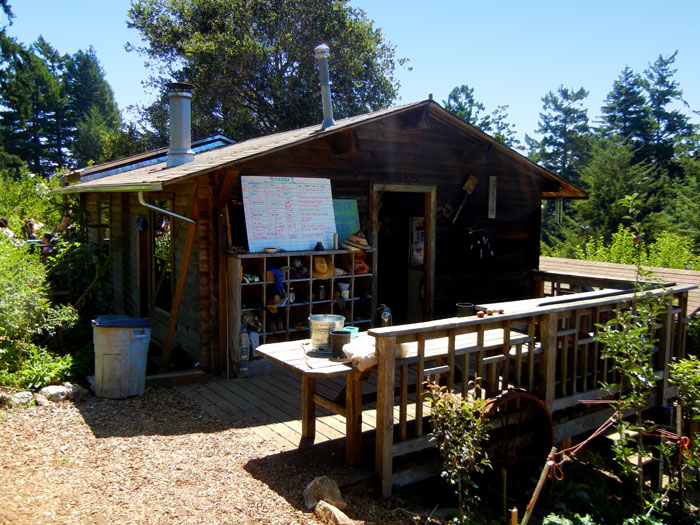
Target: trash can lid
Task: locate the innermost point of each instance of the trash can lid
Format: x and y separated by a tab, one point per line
121	321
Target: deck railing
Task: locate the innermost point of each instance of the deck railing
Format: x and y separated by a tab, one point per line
549	350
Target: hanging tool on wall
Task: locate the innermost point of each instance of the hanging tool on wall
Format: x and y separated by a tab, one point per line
468	189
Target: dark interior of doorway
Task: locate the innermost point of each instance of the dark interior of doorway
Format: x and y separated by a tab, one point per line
399	283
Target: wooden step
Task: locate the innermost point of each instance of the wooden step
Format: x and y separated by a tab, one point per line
415	474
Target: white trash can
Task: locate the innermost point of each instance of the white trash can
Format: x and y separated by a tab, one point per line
121	350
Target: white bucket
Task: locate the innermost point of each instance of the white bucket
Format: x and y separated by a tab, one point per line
121	350
321	327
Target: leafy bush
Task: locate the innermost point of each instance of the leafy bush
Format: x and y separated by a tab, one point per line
669	250
555	519
685	375
26	313
460	429
26	198
28	320
25	365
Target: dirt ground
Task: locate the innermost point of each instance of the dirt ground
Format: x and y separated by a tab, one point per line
155	459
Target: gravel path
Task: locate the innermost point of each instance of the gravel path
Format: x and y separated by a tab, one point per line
153	459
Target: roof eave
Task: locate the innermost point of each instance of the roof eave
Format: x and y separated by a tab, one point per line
107	188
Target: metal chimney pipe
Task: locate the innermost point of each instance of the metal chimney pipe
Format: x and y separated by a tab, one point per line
322	53
179	97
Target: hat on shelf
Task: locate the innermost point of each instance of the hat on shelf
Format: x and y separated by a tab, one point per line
297	270
356	242
323	267
360	264
276	301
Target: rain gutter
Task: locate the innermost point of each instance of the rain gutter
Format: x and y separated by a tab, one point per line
142	202
120	188
108	188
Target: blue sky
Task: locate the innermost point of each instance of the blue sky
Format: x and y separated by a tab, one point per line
511	52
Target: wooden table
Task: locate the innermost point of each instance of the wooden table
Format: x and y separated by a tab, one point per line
298	357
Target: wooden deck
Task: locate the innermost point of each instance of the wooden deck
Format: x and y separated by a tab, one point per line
268	400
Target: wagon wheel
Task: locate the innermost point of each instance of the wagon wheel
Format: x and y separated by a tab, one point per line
520	439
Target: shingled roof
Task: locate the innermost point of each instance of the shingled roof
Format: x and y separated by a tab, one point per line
154	177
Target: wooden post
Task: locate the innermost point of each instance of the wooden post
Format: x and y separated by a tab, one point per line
505	370
223	302
665	350
179	289
403	402
451	361
420	377
233	328
353	418
479	365
548	359
308	407
681	326
538	488
385	412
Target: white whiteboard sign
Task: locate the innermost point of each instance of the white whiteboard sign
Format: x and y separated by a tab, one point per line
292	213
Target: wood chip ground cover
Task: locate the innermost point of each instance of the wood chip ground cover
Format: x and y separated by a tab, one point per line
152	459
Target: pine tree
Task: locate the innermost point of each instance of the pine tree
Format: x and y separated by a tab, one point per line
461	102
563	149
611	172
669	126
56	128
91	106
627	115
29	97
563	125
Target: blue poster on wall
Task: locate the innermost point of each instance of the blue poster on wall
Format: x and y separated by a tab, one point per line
347	219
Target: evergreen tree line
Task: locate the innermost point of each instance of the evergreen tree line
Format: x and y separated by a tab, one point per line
57	111
642	143
254	74
251	62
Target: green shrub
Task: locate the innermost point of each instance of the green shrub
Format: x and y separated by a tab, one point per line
460	429
25	365
685	375
28	320
555	519
669	250
27	198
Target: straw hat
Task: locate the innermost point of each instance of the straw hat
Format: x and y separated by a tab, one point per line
323	267
356	242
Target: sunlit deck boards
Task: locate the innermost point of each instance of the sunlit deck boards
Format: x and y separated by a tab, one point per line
270	403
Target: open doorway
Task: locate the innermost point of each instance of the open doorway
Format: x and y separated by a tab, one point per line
404	225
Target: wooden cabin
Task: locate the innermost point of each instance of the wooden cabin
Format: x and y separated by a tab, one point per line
406	167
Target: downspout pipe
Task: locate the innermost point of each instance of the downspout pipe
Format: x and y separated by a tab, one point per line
143	202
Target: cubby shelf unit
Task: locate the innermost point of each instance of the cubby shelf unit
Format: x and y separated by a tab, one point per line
311	295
